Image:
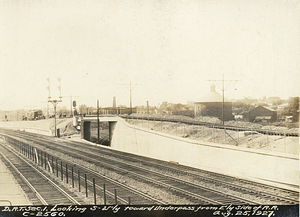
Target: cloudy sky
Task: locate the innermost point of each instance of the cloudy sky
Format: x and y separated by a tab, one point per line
170	48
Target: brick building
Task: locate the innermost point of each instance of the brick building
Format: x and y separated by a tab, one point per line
211	105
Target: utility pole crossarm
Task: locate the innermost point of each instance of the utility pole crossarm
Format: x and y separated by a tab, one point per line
130	90
223	90
54	102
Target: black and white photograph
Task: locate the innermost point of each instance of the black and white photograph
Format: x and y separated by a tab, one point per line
149	108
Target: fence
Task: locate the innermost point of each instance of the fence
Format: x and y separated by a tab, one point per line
66	172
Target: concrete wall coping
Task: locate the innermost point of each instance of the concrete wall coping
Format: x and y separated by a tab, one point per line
102	119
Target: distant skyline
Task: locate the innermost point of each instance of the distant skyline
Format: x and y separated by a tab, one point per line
170	48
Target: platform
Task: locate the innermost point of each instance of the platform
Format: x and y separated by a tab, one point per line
10	190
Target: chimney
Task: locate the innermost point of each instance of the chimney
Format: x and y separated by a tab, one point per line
114	102
147	107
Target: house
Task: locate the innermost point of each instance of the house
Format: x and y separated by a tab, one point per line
261	114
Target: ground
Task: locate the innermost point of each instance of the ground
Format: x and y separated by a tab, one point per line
249	139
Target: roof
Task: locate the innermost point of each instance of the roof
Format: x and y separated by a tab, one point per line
212	96
264	108
269	108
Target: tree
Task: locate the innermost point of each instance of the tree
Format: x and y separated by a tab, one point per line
178	107
163	106
83	108
293	104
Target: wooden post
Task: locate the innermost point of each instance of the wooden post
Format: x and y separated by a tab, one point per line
104	195
72	178
67	178
78	180
94	191
41	159
86	191
56	168
61	171
116	199
45	161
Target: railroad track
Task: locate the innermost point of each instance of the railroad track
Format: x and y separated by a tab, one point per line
39	188
245	186
115	192
253	189
218	197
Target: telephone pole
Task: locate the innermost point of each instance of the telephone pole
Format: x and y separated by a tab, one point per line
98	122
130	89
71	103
49	97
55	102
223	88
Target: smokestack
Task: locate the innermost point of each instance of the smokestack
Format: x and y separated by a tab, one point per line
147	107
114	102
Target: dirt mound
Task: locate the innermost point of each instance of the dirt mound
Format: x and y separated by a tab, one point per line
69	129
215	120
208	119
247	139
243	124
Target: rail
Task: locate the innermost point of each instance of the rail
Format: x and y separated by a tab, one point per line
42	175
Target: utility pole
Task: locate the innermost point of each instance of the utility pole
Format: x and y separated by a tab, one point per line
49	97
55	102
130	89
98	121
223	90
71	102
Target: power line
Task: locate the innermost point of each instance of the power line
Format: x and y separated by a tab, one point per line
71	102
130	90
223	90
55	102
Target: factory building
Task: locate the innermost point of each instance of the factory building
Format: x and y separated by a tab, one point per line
211	105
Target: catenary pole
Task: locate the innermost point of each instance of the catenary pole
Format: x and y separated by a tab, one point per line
223	88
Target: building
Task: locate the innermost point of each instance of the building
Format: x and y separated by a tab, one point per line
261	114
212	104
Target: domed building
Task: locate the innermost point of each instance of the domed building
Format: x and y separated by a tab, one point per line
211	105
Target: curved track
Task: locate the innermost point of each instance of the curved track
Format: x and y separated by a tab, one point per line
70	172
195	193
39	188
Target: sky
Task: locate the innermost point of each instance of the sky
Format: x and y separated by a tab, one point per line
167	50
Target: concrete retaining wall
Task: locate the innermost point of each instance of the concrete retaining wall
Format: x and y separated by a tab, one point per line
259	165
